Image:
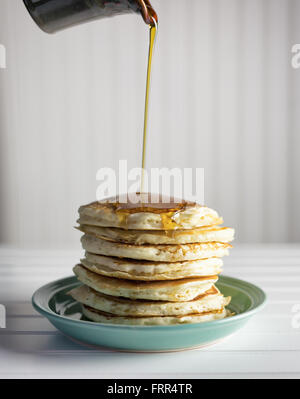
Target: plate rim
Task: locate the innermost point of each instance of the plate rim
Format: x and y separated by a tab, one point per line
48	312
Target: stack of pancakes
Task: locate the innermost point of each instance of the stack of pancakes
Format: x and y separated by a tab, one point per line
151	263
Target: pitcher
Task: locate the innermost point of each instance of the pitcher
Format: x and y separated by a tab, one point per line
54	15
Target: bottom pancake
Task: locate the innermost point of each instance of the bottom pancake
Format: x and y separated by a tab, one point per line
107	318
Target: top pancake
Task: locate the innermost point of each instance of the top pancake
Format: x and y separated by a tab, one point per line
140	212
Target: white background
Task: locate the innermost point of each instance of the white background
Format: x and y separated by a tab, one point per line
224	97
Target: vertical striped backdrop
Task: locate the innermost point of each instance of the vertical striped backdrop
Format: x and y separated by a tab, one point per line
224	97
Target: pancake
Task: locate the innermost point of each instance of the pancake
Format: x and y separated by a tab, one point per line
140	237
140	214
174	291
211	300
102	317
158	253
132	269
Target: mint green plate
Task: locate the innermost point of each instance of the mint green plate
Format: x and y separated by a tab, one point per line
64	313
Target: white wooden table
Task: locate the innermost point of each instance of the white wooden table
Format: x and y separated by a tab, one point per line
269	345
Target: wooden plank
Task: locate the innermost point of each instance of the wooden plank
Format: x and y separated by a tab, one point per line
118	364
